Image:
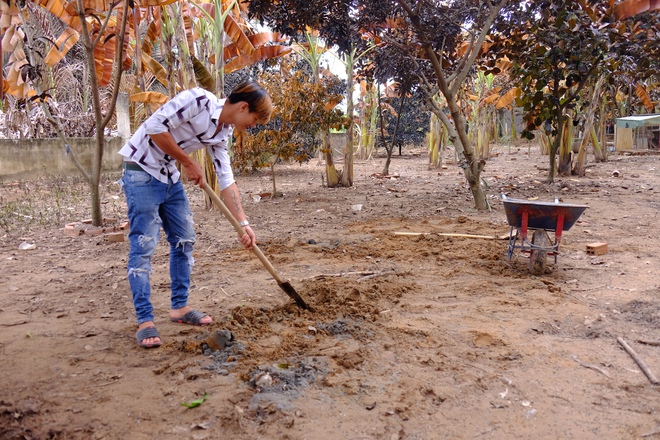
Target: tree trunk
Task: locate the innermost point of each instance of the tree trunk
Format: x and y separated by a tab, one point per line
123	116
434	142
553	159
330	171
559	116
272	174
474	166
347	174
471	167
371	118
514	134
483	140
566	149
600	145
219	43
546	144
168	42
473	176
101	121
95	196
390	149
386	167
187	71
581	161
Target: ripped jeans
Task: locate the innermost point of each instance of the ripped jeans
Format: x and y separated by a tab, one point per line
152	204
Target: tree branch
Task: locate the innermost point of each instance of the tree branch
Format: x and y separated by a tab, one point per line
118	68
582	82
44	106
485	29
102	25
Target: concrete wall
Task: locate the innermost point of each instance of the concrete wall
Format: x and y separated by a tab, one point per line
338	143
33	157
623	138
20	158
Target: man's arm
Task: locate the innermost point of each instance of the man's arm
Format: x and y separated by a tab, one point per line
232	199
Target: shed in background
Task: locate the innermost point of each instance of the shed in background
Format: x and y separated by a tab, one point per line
637	132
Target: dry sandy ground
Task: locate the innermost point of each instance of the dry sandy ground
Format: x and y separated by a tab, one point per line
411	337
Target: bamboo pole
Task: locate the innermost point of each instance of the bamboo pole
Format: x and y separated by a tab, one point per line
649	374
417	234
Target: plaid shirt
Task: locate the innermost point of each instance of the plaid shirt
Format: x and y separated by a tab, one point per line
191	117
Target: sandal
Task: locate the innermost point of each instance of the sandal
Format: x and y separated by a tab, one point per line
146	333
193	317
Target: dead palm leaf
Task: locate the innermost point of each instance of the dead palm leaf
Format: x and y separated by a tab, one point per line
643	96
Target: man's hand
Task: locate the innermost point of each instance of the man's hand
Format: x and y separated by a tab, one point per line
248	240
194	173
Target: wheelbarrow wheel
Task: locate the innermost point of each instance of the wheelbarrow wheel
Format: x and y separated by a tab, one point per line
538	257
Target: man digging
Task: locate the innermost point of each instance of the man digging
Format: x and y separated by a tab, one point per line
192	120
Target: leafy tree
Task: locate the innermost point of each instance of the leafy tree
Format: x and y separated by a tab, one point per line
633	65
403	120
437	45
303	106
556	48
335	23
414	122
417	44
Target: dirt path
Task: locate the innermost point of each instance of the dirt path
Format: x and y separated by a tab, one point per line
412	336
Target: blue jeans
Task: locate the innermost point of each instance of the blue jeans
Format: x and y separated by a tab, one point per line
152	204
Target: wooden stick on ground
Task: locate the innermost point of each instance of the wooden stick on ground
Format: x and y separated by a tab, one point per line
442	234
652	433
649	374
10	324
340	274
654	343
593	367
368	277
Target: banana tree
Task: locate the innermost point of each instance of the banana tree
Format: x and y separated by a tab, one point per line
202	48
312	52
482	120
349	59
588	132
368	116
101	29
437	141
114	40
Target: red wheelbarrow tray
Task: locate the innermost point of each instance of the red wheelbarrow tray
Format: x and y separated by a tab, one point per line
541	215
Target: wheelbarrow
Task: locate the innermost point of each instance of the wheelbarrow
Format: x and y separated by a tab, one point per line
539	218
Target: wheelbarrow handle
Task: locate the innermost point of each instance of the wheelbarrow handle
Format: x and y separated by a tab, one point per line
239	229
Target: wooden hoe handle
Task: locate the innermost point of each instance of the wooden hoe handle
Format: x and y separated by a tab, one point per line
239	229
